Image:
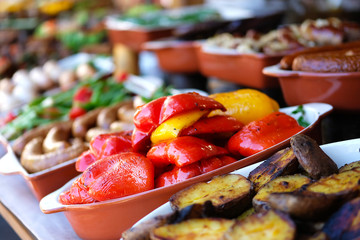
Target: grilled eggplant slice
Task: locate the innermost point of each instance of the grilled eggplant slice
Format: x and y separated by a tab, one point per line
350	166
265	225
281	163
200	228
311	157
287	183
229	194
345	223
321	198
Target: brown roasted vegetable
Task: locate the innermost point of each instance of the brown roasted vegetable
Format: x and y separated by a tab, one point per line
196	229
287	183
40	131
345	223
311	157
34	159
269	225
84	122
281	163
57	138
319	199
229	194
350	166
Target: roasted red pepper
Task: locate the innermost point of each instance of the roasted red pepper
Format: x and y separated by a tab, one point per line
149	116
213	125
78	194
179	174
182	151
119	175
262	134
111	143
84	161
185	102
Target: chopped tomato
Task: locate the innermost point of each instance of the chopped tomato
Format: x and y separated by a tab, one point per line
76	112
83	94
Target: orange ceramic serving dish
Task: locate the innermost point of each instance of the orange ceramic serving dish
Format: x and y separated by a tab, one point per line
341	90
175	56
108	219
242	69
43	182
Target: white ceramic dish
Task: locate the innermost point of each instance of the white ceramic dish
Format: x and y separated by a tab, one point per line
341	152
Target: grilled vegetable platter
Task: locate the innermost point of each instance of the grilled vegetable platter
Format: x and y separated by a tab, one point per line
298	193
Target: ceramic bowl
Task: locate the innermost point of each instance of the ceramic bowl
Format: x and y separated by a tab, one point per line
42	182
240	68
108	219
175	56
341	90
342	153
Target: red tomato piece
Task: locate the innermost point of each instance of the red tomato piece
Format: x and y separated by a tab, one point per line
8	118
182	151
262	134
119	175
84	161
77	194
83	94
76	112
213	125
111	143
178	174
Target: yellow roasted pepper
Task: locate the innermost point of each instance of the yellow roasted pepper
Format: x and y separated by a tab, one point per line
246	105
54	7
172	127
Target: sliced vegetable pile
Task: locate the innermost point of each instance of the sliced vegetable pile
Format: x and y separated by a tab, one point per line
298	193
179	137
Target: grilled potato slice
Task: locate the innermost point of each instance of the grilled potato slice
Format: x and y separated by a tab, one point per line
319	199
200	228
287	183
350	166
281	163
265	225
344	223
311	157
142	231
229	194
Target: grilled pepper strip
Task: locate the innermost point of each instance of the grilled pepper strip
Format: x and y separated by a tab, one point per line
262	134
182	151
119	175
149	116
179	174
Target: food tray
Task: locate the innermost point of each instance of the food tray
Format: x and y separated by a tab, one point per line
341	90
175	56
119	214
342	153
240	68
